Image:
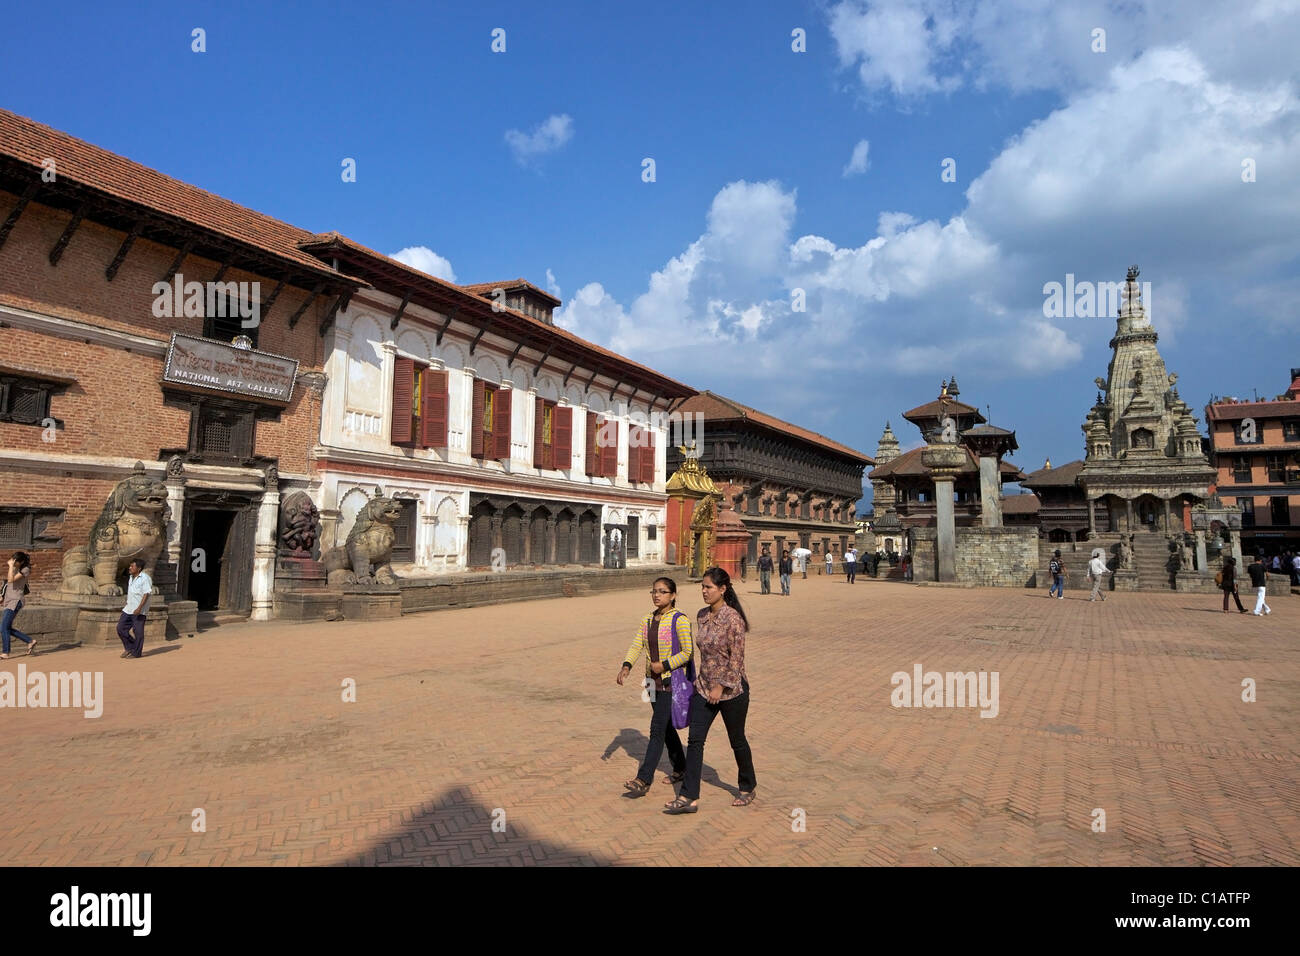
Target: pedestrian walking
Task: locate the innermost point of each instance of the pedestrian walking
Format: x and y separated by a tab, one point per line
1259	581
1295	570
765	572
130	626
786	569
1097	572
12	591
665	638
1226	579
721	687
1056	568
851	565
830	563
907	566
801	556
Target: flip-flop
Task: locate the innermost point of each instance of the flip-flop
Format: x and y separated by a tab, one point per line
31	648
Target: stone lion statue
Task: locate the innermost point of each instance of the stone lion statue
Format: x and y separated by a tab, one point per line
132	525
298	523
369	545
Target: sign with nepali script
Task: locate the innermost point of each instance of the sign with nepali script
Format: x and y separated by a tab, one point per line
204	363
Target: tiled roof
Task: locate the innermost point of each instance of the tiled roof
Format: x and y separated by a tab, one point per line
938	407
1020	504
1234	411
1054	477
542	329
87	165
718	408
478	288
909	463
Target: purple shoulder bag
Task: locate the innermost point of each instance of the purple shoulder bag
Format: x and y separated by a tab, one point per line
682	682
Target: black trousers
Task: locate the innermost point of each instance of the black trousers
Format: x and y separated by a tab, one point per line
661	731
132	643
851	569
733	717
1235	597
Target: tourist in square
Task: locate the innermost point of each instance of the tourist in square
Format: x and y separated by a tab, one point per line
830	563
851	565
15	588
765	572
907	566
130	626
1097	572
664	636
1259	581
1227	579
801	556
721	687
1056	568
786	569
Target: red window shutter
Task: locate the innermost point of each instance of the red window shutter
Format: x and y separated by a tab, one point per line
633	454
648	458
539	418
592	461
563	438
609	454
433	416
501	425
403	389
550	446
476	419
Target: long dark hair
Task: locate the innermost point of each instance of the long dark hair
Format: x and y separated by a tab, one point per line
22	560
722	579
672	586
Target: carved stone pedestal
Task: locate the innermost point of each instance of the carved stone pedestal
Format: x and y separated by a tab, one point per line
306	605
298	572
370	604
1193	581
97	618
1126	580
182	619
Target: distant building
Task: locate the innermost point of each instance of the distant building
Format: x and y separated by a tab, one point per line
1256	453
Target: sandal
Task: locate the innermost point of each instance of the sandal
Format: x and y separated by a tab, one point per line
677	776
31	648
681	805
637	786
744	799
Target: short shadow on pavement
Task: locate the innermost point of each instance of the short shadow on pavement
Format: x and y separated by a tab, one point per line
454	829
634	743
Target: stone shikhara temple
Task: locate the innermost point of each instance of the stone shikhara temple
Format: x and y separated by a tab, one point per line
1143	493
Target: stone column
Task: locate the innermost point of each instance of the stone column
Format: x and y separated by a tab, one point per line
1236	549
990	492
1168	517
1128	510
1092	518
944	460
268	523
329	524
1201	559
462	543
424	541
176	502
550	540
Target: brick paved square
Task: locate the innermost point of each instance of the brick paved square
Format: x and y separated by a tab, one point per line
1134	707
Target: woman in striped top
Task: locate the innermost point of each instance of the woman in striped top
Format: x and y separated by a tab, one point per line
660	630
721	687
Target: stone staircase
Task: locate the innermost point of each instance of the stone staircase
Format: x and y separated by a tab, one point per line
1151	558
1075	556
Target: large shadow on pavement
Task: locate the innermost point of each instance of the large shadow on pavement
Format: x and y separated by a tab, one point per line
456	830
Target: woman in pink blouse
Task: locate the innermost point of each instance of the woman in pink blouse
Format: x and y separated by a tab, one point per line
721	687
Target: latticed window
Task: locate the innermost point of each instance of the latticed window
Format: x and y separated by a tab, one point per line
222	433
25	401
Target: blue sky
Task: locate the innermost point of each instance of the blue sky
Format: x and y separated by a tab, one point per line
1068	160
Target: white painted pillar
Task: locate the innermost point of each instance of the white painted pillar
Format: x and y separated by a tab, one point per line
268	523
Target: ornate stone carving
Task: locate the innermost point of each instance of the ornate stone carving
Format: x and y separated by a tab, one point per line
272	479
299	524
1125	553
132	525
175	466
369	546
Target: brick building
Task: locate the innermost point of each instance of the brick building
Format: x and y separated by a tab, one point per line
1256	456
790	486
87	237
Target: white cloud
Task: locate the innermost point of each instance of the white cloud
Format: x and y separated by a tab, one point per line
858	162
547	137
552	286
426	260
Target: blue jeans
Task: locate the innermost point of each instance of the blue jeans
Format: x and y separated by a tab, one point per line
1058	584
851	570
765	580
7	627
785	584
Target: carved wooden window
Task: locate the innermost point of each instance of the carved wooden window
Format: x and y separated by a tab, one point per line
28	528
552	436
25	401
588	539
1241	471
512	535
633	536
602	446
420	403
537	535
221	433
404	532
564	537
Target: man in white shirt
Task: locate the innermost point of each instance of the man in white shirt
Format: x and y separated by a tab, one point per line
130	626
1097	570
851	564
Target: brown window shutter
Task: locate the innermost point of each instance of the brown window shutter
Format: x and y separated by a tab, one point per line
539	450
592	462
403	389
633	454
501	425
476	419
648	459
609	454
563	438
433	416
549	461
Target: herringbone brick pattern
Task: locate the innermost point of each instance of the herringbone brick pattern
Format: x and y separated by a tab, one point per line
1133	706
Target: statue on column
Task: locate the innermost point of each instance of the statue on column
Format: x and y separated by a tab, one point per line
1126	553
132	526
